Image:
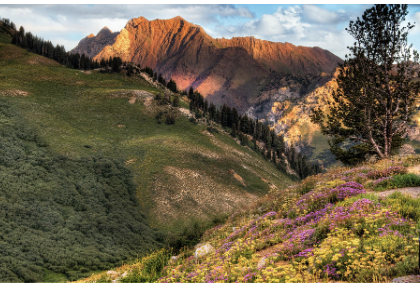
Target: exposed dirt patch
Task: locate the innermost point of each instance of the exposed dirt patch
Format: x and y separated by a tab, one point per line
268	250
414	192
14	93
237	177
86	72
186	112
414	170
134	96
193	193
42	61
240	157
407	279
128	162
132	100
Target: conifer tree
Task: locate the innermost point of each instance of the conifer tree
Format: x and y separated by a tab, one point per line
371	108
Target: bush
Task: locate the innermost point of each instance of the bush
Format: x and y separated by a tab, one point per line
393	170
405	205
408	266
198	114
150	268
405	180
175	101
170	117
307	185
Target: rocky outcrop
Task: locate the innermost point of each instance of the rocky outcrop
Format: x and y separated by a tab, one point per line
202	250
226	71
92	45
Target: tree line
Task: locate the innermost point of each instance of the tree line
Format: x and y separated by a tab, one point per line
7	26
37	45
246	128
171	84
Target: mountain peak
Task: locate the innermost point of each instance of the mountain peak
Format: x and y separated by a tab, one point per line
91	35
178	18
135	22
230	71
105	31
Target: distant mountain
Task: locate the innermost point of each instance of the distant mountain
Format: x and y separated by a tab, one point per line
92	45
225	71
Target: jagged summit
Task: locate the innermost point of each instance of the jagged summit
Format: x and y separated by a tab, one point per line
230	71
92	45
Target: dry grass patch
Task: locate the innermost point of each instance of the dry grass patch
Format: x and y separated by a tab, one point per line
182	193
14	93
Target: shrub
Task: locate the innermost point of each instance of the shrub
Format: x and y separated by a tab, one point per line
170	117
405	205
149	269
406	180
307	185
63	214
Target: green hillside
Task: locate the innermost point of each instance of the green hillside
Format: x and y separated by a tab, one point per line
109	172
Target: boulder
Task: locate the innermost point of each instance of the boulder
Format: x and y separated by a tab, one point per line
265	260
202	250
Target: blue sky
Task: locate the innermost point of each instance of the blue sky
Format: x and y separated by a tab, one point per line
300	24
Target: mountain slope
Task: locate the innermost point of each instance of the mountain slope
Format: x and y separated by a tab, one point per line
178	172
228	71
335	227
287	105
285	57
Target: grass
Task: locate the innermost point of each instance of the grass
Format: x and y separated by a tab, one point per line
5	38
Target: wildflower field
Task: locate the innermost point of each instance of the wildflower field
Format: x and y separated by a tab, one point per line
330	227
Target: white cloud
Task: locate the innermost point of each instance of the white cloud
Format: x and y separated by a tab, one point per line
269	25
315	14
293	26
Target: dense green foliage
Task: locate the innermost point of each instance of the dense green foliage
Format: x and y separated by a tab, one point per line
66	215
6	30
397	181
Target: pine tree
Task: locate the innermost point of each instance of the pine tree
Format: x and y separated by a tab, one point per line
376	92
175	102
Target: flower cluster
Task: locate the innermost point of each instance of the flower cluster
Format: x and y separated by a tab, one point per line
381	181
393	170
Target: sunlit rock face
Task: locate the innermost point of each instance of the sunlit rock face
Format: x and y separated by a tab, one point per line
231	71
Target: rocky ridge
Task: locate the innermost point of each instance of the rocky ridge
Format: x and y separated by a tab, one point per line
226	71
